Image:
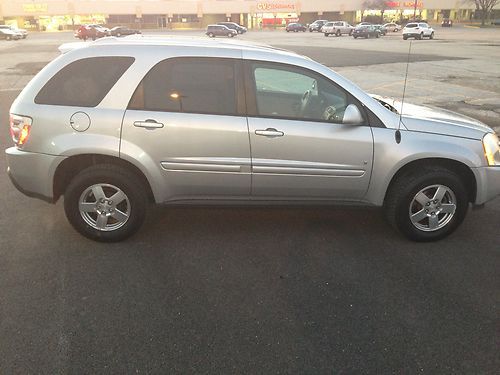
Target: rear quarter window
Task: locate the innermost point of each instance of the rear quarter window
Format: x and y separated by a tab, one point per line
85	82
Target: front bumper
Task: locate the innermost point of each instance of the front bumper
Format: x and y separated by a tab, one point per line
488	184
32	173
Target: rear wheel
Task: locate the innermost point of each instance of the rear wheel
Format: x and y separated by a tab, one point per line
432	36
211	35
338	33
326	34
421	36
427	205
118	34
7	37
105	203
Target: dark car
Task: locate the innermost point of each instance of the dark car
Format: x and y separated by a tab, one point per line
381	28
317	25
123	30
496	22
447	23
365	31
93	32
295	27
220	30
234	26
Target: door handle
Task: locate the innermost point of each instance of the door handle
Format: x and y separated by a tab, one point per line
270	132
148	124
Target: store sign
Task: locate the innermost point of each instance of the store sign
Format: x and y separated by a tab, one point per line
404	4
35	8
271	7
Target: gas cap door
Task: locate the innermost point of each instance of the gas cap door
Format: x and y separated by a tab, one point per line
79	121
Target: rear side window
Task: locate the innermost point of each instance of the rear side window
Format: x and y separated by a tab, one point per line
85	82
190	85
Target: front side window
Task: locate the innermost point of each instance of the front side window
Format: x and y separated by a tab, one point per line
190	85
283	91
85	82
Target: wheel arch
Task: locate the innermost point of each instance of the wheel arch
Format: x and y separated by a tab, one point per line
72	165
462	170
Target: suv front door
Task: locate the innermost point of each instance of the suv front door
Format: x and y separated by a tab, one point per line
300	148
187	119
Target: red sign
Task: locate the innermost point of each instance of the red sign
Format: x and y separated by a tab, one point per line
405	4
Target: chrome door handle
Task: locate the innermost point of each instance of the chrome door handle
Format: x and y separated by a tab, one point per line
148	124
270	132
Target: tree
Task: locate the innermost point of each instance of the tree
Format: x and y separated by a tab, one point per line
485	6
376	5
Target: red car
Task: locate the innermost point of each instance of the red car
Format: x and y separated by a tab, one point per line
93	32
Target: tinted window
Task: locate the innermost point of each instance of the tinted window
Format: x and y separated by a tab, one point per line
84	83
192	85
411	25
286	92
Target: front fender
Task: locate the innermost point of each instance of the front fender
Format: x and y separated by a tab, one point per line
390	157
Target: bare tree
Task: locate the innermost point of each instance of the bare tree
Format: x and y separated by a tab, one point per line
376	5
486	6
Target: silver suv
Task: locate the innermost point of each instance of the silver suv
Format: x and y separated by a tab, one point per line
118	123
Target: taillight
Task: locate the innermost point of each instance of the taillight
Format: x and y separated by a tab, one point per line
20	127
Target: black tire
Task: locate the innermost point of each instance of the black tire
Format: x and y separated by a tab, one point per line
211	35
7	37
118	34
338	33
110	175
401	194
432	36
405	37
326	34
350	32
421	36
355	37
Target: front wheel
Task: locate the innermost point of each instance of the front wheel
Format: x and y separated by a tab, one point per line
405	37
211	35
326	34
105	203
427	205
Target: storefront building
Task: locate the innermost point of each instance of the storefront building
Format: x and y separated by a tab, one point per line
194	14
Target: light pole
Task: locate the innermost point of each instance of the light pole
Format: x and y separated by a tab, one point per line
415	10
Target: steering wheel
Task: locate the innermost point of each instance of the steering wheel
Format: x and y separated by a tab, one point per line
304	104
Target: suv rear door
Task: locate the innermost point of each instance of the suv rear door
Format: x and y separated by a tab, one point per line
186	120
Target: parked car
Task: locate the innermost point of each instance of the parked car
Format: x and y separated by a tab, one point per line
419	30
295	27
123	30
22	32
163	121
8	34
317	25
234	26
447	23
381	29
93	32
220	30
337	28
496	22
364	24
392	27
366	31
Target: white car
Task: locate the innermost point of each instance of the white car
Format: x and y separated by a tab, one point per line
392	27
8	34
418	30
337	28
22	32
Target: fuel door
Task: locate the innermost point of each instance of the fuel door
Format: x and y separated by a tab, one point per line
79	121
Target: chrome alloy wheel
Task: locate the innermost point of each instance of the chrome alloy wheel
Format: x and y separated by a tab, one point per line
104	207
432	208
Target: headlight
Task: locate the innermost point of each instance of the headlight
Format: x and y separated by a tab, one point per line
491	146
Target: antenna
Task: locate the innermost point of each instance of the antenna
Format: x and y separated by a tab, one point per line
397	135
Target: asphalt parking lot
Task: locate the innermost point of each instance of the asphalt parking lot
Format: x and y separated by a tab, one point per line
260	290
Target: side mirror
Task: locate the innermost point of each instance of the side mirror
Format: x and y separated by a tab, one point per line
352	115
